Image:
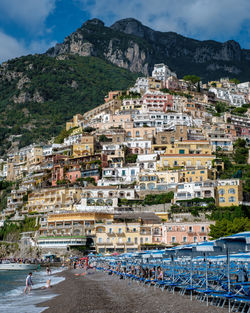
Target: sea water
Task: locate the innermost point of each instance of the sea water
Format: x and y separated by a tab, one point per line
12	284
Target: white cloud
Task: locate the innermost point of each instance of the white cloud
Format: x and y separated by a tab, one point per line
200	18
11	48
28	13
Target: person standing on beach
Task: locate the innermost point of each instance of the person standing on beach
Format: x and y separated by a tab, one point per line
29	283
48	270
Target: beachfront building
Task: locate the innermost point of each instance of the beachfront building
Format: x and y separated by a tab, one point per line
128	232
185	232
67	230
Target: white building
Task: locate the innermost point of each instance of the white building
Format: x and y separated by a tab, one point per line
233	98
119	175
188	191
50	149
141	85
162	120
162	72
103	198
138	146
69	141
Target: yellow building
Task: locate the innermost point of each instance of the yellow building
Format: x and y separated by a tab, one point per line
193	175
51	199
77	121
185	160
127	232
228	192
154	83
35	156
75	223
86	147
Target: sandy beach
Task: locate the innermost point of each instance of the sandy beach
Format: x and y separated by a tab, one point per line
97	292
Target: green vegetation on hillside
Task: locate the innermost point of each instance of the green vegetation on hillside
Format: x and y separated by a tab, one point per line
226	227
11	231
65	87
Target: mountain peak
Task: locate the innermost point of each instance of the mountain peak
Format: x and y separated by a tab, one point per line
94	21
129	26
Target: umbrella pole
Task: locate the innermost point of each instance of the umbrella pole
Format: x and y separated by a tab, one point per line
205	255
228	279
191	275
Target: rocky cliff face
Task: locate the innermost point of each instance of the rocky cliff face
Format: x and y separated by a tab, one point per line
131	45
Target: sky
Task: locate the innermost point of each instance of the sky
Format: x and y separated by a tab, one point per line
33	26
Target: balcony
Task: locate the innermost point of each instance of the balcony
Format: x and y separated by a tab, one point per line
191	233
145	233
120	234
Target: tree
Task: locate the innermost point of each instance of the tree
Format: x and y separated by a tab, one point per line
240	151
235	80
226	228
103	138
192	78
130	158
220	107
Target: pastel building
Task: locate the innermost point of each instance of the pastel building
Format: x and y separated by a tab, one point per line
185	232
228	192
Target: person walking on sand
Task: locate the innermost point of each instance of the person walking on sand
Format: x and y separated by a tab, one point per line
29	283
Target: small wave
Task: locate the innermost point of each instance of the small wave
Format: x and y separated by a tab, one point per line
16	301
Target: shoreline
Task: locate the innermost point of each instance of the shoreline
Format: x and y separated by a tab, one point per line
97	292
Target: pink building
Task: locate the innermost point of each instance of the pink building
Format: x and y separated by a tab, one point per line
185	232
73	175
172	83
157	101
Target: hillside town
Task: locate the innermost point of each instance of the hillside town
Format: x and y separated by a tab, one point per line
146	169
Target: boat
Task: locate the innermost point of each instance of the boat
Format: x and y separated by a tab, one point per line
17	266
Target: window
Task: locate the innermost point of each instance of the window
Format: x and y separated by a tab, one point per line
137	133
204	238
136	240
129	239
184	239
231	190
146	239
119	230
181	151
231	199
221	199
100	240
173	239
202	229
110	230
190	228
221	192
123	172
195	239
132	172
